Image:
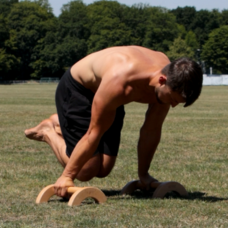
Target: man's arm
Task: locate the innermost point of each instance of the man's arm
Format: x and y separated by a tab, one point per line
106	100
149	139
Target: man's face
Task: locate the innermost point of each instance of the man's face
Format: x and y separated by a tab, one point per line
166	96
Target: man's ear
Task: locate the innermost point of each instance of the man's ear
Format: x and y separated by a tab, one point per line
162	79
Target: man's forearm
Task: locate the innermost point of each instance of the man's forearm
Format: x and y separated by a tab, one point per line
150	135
146	150
83	151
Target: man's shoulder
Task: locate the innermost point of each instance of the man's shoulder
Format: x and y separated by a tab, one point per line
128	54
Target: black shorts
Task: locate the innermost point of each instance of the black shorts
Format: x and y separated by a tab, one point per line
74	102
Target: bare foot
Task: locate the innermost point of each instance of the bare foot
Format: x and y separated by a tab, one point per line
38	133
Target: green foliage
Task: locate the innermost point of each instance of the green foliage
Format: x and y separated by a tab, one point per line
44	4
191	40
200	22
64	42
5	7
28	23
4	33
7	63
161	29
179	49
73	20
203	23
181	31
185	16
135	18
34	43
224	17
106	26
215	50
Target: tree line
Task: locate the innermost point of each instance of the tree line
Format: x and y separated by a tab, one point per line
34	43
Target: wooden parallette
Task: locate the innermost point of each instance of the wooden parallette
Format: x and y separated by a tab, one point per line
161	188
78	195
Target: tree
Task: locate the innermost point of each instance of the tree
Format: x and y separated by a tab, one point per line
224	17
181	31
73	20
179	49
191	40
44	63
134	18
8	61
161	29
45	4
215	50
185	16
200	22
64	43
203	23
28	24
107	27
5	7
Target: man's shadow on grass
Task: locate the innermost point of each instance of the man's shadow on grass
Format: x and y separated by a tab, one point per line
115	194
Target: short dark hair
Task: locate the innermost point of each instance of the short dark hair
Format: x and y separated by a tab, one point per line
184	76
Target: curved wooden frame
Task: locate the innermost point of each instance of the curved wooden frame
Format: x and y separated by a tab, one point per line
78	195
161	188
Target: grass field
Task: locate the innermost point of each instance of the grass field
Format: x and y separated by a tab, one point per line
193	151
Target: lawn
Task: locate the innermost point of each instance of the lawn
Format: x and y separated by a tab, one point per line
192	151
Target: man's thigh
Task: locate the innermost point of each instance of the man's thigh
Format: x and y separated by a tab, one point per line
73	103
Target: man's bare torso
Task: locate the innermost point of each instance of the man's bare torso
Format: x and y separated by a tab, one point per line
132	67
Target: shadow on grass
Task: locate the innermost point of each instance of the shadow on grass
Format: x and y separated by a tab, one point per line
204	197
115	195
86	201
171	195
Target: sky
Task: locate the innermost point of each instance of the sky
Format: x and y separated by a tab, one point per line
169	4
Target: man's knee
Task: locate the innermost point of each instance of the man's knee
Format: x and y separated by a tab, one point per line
85	176
99	166
104	173
107	165
90	169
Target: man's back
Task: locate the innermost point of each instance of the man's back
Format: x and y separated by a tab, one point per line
131	63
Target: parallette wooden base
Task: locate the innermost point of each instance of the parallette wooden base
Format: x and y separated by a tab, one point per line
78	195
161	188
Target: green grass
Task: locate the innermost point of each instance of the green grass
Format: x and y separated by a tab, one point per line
193	151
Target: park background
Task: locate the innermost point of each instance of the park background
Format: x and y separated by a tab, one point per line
34	43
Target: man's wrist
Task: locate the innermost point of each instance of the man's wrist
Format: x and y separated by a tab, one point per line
70	175
143	174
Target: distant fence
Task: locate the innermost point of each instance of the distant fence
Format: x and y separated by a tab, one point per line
48	80
207	80
41	81
215	79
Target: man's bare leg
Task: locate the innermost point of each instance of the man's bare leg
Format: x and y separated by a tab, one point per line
45	132
49	131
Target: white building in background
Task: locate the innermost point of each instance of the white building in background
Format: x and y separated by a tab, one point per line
215	80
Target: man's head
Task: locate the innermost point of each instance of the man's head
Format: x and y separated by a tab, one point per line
185	77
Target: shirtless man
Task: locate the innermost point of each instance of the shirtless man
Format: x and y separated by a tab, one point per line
90	99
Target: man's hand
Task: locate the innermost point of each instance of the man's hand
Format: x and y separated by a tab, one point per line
145	182
61	186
